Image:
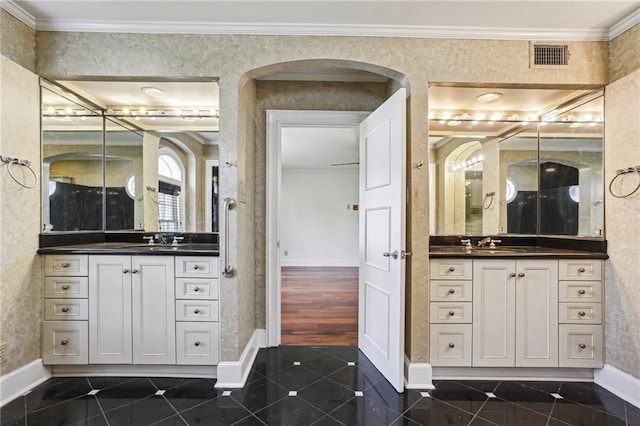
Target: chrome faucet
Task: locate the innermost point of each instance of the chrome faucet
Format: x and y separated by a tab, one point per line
467	244
483	242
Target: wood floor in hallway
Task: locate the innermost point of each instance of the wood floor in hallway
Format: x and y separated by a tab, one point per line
320	306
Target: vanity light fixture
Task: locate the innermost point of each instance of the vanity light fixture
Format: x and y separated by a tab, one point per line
154	92
489	97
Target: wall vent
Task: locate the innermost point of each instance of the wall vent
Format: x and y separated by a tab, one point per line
554	56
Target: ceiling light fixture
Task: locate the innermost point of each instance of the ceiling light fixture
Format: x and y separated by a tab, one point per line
154	92
489	97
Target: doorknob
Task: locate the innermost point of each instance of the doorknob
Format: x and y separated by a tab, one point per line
394	254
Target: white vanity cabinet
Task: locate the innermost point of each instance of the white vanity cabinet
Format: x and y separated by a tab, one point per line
515	313
197	310
65	307
131	314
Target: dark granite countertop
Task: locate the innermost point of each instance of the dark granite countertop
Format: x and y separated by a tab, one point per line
436	251
187	249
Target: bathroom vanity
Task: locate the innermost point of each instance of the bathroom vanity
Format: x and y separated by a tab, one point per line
115	304
516	307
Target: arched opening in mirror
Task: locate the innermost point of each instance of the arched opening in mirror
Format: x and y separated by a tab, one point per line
463	189
170	188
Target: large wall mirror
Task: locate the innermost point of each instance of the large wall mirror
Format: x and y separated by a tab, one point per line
516	161
130	156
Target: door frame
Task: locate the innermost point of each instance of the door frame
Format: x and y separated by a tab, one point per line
276	121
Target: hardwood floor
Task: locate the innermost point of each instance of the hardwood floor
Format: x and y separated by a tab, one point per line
320	306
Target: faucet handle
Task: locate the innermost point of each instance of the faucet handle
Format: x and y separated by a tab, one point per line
175	240
493	243
466	243
150	238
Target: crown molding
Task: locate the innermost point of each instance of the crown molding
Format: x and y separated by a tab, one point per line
21	14
280	29
622	26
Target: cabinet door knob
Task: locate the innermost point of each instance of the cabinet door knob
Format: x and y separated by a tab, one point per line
135	271
582	313
196	311
451	313
451	291
65	287
125	271
196	343
581	270
64	342
581	291
451	345
521	274
196	267
582	346
451	268
513	274
65	309
196	289
64	265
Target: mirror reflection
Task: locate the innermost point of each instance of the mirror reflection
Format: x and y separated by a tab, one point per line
516	161
136	156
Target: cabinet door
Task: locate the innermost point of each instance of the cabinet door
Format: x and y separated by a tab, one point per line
537	313
110	310
153	315
494	294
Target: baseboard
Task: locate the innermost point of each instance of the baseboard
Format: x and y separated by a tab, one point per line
131	370
16	383
233	374
319	262
513	373
619	383
417	375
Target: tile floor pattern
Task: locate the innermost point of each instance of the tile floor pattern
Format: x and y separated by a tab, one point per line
294	385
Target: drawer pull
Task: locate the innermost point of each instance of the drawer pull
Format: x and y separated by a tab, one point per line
196	343
64	342
196	289
196	311
196	267
451	313
65	287
581	270
451	269
582	346
451	291
582	313
64	265
451	345
65	309
581	291
513	274
125	271
521	274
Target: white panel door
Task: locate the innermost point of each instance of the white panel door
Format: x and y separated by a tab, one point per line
110	310
494	313
153	310
382	238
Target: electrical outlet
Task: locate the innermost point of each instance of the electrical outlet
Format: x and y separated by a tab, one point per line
4	352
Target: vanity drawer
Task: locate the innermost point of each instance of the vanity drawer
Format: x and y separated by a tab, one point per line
451	269
197	266
580	291
450	312
65	342
197	288
66	309
445	291
197	343
66	264
580	313
66	287
581	346
196	310
580	269
450	345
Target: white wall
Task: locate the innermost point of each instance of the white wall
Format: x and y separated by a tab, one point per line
317	227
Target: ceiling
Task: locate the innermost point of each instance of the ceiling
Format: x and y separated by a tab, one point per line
545	20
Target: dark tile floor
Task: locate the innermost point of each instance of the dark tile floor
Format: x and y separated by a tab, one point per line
313	385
